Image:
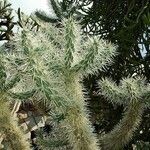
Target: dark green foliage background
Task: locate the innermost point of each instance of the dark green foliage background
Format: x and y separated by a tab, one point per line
6	21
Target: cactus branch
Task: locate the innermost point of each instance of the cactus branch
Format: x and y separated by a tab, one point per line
14	138
123	132
79	129
131	93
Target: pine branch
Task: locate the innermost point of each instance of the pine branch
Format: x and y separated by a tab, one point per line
56	8
27	22
45	17
6	20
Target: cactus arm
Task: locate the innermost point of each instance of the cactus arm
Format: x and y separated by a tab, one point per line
79	129
134	99
12	83
23	95
99	55
123	132
115	94
14	138
50	18
89	57
69	41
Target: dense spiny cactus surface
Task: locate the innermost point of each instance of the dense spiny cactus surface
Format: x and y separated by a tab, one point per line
52	62
13	137
133	93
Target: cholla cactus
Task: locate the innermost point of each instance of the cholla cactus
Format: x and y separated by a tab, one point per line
13	137
134	95
52	62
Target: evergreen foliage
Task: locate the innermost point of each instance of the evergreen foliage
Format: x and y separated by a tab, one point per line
57	16
62	9
6	20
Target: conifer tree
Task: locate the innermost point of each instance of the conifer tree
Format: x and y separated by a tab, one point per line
6	20
51	18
